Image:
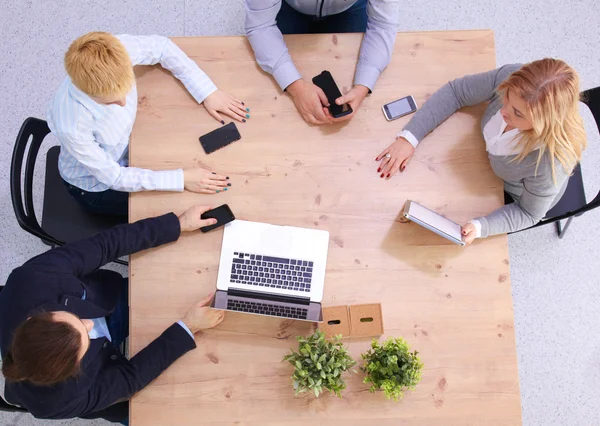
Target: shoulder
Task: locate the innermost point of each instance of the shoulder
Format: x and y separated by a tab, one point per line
505	71
66	115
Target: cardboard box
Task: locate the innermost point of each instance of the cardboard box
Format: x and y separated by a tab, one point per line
336	320
352	320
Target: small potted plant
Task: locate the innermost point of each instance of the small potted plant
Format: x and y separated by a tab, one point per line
319	364
391	366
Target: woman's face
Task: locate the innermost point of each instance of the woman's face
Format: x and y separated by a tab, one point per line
513	112
81	325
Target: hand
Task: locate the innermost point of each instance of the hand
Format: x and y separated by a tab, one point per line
400	152
202	181
200	316
190	220
354	98
469	233
222	102
309	100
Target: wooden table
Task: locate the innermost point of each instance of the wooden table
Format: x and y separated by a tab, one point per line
452	304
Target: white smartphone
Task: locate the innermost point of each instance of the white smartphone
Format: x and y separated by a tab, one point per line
399	108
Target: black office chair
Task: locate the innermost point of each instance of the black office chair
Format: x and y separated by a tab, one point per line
63	218
573	202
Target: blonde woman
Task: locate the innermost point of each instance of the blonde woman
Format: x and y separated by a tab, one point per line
533	133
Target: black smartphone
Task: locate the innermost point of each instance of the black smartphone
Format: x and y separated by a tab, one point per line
326	82
399	108
220	137
223	214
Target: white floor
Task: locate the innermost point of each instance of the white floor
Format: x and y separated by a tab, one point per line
555	282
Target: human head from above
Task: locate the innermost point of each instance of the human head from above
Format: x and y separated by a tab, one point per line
99	65
542	100
47	348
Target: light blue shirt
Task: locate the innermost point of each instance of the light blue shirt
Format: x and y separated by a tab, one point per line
272	54
95	138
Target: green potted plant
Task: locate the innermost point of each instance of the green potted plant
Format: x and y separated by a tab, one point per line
319	364
391	366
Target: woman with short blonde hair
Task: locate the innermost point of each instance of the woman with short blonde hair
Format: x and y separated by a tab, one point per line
533	133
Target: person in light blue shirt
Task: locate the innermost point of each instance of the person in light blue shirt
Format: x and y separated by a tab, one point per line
267	20
94	109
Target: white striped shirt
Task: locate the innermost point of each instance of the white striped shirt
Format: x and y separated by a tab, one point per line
95	138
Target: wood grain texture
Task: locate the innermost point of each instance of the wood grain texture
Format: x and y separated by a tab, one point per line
452	304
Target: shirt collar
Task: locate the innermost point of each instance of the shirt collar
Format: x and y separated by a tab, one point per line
95	108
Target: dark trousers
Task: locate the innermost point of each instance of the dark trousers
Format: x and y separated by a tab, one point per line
353	20
118	326
105	202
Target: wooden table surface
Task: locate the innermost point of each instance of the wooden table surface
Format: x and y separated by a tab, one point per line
452	304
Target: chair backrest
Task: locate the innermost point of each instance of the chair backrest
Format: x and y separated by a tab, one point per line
591	98
22	195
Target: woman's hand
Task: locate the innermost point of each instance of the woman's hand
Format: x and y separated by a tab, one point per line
400	153
201	316
469	233
222	102
202	181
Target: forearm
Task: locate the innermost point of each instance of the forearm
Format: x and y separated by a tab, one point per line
509	218
133	179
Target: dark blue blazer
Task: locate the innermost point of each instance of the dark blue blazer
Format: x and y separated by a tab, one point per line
55	281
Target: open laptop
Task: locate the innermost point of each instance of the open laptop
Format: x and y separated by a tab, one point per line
433	221
272	270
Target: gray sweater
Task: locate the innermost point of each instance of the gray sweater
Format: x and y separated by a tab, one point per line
534	193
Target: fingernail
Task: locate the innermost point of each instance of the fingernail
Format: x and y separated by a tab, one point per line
388	175
214	173
243	103
222	121
247	115
378	170
228	183
248	109
381	175
227	177
224	189
217	191
243	120
402	169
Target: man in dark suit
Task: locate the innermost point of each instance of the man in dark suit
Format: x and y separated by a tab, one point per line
58	333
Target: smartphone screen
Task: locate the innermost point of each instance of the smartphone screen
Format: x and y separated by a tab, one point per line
400	107
219	138
223	214
326	82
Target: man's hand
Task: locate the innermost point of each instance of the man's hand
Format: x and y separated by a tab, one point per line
400	153
190	220
197	179
222	102
310	101
469	233
200	316
354	98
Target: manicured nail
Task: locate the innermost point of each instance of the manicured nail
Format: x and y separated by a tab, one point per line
214	173
222	121
248	109
243	120
402	169
378	170
228	184
381	175
388	175
247	115
243	103
217	191
224	189
227	177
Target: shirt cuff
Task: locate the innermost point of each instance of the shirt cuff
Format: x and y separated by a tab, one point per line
286	74
185	327
477	225
202	87
406	134
367	76
168	180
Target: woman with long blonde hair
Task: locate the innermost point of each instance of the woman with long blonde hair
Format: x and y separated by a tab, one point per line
533	133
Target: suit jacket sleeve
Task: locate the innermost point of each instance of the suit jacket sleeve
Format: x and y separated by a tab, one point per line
84	256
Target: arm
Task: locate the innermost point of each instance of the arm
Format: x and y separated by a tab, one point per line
154	49
538	194
127	179
378	42
267	41
84	256
466	91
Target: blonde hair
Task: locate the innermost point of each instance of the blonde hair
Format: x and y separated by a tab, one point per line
99	65
550	89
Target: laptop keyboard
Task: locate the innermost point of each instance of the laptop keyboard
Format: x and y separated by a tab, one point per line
267	309
272	272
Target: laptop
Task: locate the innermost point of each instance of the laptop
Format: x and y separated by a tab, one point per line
272	270
433	221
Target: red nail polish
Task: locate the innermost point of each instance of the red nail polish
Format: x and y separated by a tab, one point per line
381	175
388	175
378	170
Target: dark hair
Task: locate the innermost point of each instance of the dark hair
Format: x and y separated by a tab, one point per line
43	351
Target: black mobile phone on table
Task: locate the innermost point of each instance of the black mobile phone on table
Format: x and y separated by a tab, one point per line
223	214
399	108
219	138
326	82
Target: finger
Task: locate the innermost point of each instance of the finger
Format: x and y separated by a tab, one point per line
391	168
240	110
207	222
216	115
404	164
322	97
380	156
236	100
220	319
235	115
320	115
208	298
215	176
311	119
217	184
206	191
345	99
